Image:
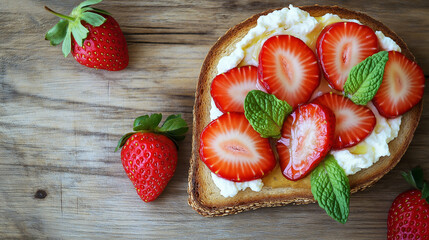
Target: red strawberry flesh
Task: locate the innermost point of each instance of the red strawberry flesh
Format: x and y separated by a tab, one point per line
353	122
230	89
341	46
233	150
307	136
288	69
402	86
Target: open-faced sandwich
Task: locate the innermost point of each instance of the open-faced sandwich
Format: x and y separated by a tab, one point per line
298	105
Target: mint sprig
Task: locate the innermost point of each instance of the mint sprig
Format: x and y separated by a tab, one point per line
331	189
415	178
71	25
265	113
365	79
173	127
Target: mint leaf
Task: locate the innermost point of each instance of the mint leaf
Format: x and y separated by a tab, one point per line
265	113
331	189
365	79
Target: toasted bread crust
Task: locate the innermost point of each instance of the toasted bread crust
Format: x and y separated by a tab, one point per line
204	197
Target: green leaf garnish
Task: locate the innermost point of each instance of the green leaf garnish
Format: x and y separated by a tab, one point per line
365	79
173	127
71	24
331	189
265	113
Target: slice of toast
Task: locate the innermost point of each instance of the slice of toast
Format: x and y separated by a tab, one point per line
205	197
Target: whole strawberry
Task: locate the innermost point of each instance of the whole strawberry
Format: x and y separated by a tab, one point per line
92	36
149	154
409	214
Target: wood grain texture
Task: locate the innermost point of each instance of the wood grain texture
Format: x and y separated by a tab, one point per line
60	122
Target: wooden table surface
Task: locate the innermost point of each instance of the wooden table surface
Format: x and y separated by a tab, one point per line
60	122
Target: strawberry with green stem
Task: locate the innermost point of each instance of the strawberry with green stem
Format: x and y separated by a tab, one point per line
409	214
92	36
149	153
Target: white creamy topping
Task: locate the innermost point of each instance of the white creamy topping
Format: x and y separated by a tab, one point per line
386	43
300	24
230	188
369	151
214	111
292	21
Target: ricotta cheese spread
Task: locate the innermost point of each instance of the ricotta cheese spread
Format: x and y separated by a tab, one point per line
230	188
298	23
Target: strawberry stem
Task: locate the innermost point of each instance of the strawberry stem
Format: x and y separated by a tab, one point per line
59	14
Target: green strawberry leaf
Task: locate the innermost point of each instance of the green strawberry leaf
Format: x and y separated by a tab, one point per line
68	25
93	9
79	32
414	177
66	48
88	3
140	119
331	189
94	19
123	140
57	34
147	123
425	191
365	79
172	117
176	138
174	124
174	127
265	113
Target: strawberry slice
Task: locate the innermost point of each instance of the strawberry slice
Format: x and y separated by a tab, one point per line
353	122
340	47
229	89
402	86
288	69
307	136
233	150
